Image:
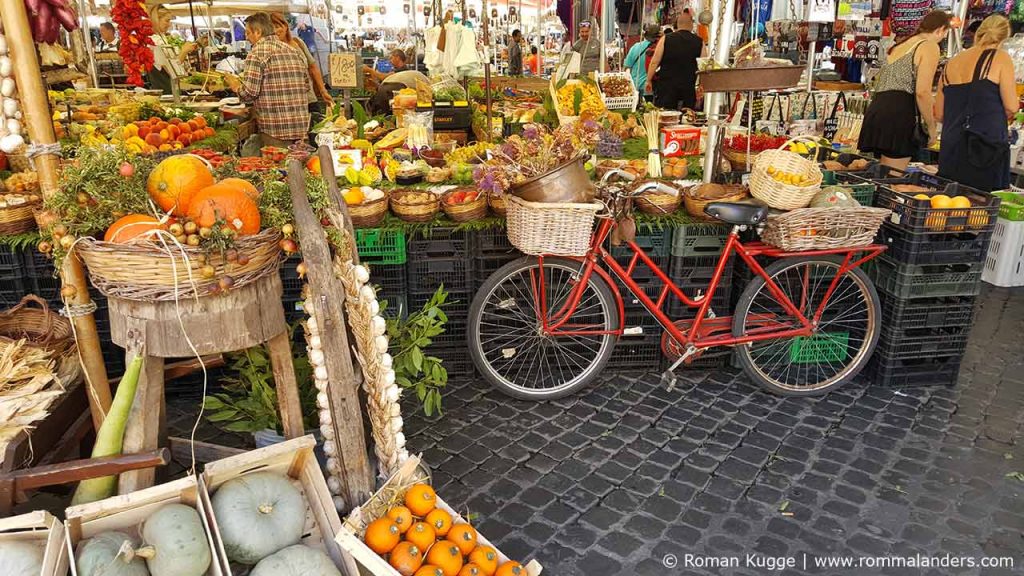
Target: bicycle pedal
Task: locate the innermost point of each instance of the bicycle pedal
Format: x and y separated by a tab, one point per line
669	380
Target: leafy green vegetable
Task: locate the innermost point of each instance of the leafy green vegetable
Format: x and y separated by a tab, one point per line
409	338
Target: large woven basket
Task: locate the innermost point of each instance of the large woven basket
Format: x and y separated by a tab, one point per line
369	214
823	228
149	271
781	195
560	229
18	219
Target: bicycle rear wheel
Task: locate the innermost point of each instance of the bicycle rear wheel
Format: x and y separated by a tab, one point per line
843	339
504	332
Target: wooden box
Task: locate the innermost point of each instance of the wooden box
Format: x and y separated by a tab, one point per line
350	536
294	458
127	513
41	527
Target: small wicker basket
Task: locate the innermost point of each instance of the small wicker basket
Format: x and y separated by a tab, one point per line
658	203
695	206
781	195
497	204
467	211
18	219
823	228
43	329
739	159
369	214
420	208
149	271
560	229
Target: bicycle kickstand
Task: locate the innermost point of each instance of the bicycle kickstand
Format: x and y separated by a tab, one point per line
668	377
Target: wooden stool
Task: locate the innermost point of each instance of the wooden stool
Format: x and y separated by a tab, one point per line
243	318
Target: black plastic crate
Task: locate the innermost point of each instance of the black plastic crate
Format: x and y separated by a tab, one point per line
390	278
912	248
927	280
918	342
484	267
699	239
721	302
944	311
455	359
656	242
710	360
43	279
456	306
637	354
697	269
932	370
638	317
290	281
438	242
426	274
642	273
917	215
494	242
13	287
11	259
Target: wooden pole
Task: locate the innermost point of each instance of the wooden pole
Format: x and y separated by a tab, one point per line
36	111
487	70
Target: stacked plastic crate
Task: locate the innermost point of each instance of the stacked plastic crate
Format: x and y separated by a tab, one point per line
928	279
383	252
436	257
1004	265
13	282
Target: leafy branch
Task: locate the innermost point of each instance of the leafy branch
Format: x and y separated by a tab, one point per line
410	337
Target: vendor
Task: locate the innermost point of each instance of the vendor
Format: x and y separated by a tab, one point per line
401	78
399	63
589	49
168	62
276	81
108	38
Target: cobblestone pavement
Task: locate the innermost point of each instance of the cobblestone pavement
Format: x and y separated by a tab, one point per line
615	479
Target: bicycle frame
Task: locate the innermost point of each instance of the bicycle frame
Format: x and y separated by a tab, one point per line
690	339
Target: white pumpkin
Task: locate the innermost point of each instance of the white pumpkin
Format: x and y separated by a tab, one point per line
109	554
21	558
258	514
175	542
296	560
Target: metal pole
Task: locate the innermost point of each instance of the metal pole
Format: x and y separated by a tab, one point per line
487	69
810	65
713	101
83	16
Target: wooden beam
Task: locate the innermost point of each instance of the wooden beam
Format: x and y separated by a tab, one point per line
181	450
327	295
334	195
78	470
290	407
146	421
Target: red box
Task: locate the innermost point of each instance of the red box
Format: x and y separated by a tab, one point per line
680	141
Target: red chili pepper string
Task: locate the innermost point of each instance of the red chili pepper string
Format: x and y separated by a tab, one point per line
136	30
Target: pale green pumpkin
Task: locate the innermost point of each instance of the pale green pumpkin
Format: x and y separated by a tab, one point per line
110	554
21	558
296	560
175	542
257	515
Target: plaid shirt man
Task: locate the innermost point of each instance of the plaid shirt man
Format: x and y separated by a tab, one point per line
276	79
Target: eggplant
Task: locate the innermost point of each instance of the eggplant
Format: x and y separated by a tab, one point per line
53	34
41	23
66	15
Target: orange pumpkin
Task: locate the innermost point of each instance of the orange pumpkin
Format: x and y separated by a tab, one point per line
463	536
486	558
175	180
238	211
131	226
234	185
406	558
445	556
511	568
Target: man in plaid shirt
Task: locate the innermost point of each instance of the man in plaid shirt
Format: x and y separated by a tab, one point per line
276	79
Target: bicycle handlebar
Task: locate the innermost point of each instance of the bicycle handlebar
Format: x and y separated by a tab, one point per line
655	185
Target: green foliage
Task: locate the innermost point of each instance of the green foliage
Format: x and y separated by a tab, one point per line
249	400
23	241
410	338
577	101
360	116
225	140
635	149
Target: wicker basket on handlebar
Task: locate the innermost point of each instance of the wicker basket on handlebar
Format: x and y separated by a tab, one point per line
555	228
769	178
823	228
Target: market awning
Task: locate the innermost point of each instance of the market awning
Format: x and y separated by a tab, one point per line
230	7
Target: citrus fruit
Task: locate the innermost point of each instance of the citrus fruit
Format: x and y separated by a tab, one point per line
922	197
941	201
353	196
960	202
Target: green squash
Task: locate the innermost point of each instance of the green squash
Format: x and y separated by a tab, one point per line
21	558
834	197
257	515
296	560
110	554
175	542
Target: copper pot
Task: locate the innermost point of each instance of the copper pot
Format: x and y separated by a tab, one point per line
567	183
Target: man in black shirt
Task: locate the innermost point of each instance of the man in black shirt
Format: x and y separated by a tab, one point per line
673	67
515	54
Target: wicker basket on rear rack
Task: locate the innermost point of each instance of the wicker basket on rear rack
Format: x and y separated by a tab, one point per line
823	228
560	229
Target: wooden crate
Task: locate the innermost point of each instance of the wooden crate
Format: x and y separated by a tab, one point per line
294	458
370	563
128	512
41	527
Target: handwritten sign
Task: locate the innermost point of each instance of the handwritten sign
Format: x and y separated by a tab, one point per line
345	70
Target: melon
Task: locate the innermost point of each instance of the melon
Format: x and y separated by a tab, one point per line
834	197
296	560
21	558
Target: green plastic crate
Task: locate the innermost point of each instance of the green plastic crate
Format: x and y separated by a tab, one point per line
820	348
377	246
1012	205
863	192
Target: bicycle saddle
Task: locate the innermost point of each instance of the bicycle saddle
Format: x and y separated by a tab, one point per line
739	214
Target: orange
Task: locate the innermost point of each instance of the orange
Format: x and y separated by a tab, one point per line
440	520
406	558
353	196
428	570
382	535
511	568
420	499
402	517
942	201
922	197
486	558
471	570
463	536
960	202
445	556
422	534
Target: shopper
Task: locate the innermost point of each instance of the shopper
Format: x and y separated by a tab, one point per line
533	62
977	94
276	80
589	49
675	61
640	55
108	38
900	120
515	54
318	94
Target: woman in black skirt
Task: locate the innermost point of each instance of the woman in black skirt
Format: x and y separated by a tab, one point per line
900	119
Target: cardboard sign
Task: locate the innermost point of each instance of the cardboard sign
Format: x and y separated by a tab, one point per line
346	70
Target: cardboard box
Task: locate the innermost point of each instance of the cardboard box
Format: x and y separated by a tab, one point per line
680	140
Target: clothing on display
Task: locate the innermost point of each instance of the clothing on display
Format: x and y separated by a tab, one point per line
458	58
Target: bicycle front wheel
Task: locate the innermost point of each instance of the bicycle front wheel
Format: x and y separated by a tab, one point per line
505	338
843	338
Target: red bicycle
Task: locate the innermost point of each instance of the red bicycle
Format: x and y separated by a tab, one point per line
543	327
